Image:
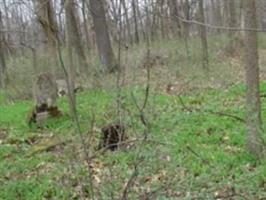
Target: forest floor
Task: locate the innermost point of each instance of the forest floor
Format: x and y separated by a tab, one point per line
195	147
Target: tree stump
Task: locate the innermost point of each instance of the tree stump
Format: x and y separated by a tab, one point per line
111	136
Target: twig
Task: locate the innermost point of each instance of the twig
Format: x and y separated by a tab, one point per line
226	115
210	111
141	110
184	105
75	116
147	92
131	181
198	155
104	149
218	27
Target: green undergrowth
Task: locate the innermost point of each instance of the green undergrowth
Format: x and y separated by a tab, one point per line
192	150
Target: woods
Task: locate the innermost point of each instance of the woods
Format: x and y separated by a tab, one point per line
132	99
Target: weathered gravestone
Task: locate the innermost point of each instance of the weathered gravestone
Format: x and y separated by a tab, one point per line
45	96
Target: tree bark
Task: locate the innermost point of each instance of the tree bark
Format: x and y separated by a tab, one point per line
74	36
162	19
216	13
253	106
46	17
174	13
71	40
134	10
103	42
203	36
85	25
127	22
2	58
232	22
232	19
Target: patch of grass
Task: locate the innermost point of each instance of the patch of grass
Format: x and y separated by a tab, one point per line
188	154
198	145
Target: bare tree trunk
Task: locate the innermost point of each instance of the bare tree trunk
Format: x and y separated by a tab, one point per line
260	11
253	106
34	54
85	25
8	25
154	24
140	20
74	36
71	40
46	17
186	26
147	20
232	23
162	22
226	14
2	58
2	67
203	36
216	13
127	21
232	12
174	13
219	14
134	9
263	17
102	36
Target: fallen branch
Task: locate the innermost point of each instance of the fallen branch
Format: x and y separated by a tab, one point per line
226	115
46	144
210	111
198	155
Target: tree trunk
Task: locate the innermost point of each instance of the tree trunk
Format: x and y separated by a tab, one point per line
8	24
155	19
127	22
46	17
254	141
2	58
232	22
203	36
102	36
162	21
147	21
2	67
74	34
174	13
134	9
140	20
85	25
71	40
216	14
